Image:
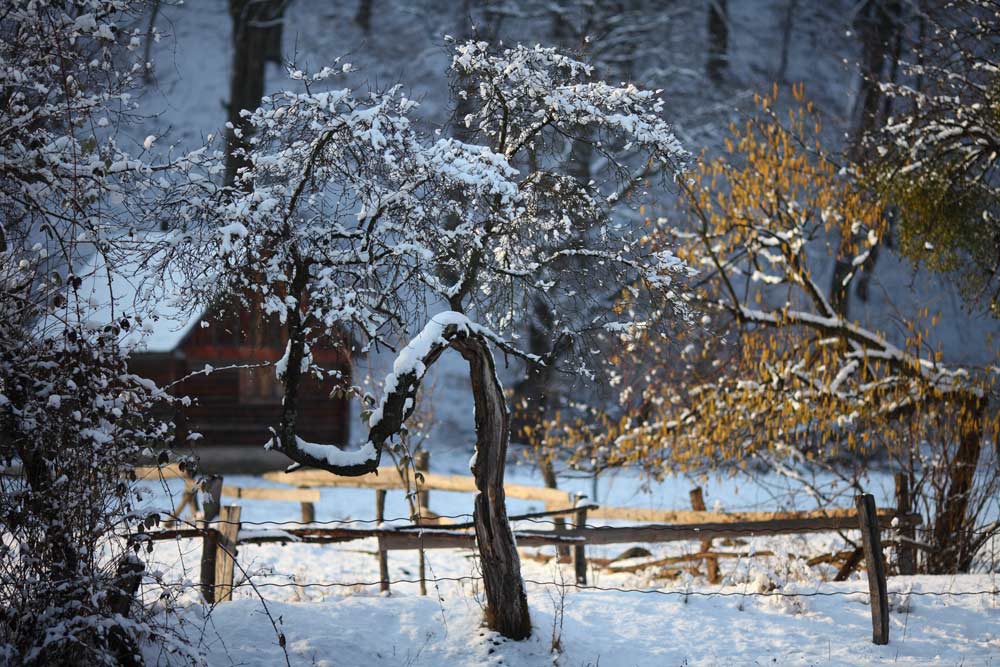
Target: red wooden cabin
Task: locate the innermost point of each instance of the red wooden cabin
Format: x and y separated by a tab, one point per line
230	406
235	406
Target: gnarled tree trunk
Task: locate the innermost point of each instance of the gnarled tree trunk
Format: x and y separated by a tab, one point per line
506	602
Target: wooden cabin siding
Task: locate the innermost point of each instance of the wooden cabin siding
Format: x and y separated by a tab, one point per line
236	406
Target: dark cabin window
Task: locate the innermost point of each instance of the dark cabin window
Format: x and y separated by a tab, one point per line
259	385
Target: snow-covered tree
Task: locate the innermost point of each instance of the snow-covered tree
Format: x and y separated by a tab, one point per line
351	220
786	381
936	159
73	419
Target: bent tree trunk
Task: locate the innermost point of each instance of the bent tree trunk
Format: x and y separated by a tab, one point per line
506	602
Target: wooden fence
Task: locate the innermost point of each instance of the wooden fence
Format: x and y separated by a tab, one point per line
221	536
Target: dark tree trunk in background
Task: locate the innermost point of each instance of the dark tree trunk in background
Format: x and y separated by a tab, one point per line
147	69
531	395
953	535
255	23
581	154
363	17
272	40
878	25
787	23
718	39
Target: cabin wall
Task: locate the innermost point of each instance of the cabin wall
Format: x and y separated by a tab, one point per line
236	406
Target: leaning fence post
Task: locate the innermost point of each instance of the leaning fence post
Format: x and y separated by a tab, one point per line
188	497
905	551
225	563
711	562
212	488
579	549
383	559
872	543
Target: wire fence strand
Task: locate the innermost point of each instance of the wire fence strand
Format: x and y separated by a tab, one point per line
615	589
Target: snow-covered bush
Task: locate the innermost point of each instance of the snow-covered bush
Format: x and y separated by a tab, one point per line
73	423
935	159
73	419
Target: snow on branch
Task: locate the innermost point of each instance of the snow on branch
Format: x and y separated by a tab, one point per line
398	400
354	219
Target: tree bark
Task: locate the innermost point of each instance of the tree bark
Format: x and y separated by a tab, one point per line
363	17
877	25
786	37
506	602
953	538
253	44
718	39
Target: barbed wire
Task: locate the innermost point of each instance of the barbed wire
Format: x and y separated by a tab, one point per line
717	526
615	589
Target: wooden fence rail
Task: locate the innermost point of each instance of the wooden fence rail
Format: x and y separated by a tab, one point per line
221	539
422	537
388	478
308	483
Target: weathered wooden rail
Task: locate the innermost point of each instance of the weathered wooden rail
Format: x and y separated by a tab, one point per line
221	539
388	478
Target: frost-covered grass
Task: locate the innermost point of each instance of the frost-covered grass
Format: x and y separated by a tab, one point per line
347	621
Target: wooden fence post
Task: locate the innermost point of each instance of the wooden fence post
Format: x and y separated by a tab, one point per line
225	563
422	463
383	560
579	550
872	543
906	555
212	487
209	544
128	577
711	562
308	512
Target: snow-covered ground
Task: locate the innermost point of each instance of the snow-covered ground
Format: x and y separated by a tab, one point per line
613	628
326	600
